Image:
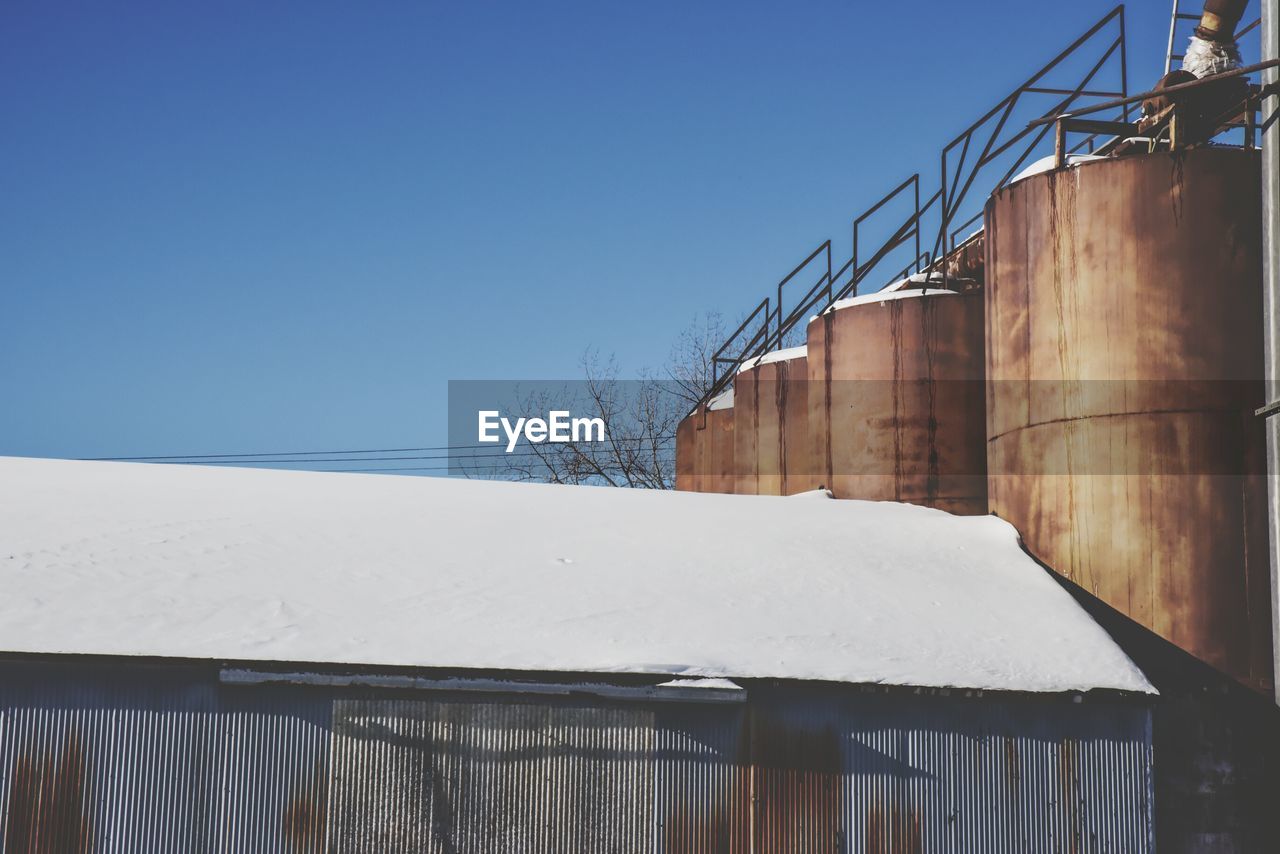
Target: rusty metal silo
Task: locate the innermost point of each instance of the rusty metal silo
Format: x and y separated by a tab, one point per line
770	431
704	448
1124	348
896	408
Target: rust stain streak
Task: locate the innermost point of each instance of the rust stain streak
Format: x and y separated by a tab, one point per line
48	804
306	817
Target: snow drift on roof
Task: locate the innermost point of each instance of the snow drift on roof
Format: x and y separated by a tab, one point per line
242	564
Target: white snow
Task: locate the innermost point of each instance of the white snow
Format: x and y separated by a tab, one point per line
886	295
901	289
1046	164
813	493
723	400
776	356
251	565
720	684
697	690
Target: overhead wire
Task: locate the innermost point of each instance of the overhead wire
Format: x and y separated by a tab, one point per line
310	455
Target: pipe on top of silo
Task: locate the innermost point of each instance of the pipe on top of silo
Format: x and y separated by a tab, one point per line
1219	20
1213	48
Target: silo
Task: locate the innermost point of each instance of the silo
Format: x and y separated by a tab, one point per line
704	447
770	430
896	408
1124	356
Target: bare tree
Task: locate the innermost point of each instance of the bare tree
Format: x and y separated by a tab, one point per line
637	448
640	415
691	363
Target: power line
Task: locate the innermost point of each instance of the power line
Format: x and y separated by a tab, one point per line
486	470
498	455
266	454
260	454
489	469
662	448
457	458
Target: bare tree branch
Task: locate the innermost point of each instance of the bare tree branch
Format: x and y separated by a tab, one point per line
641	416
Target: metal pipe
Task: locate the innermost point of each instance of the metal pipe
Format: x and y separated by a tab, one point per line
1213	49
1173	31
1271	301
1219	19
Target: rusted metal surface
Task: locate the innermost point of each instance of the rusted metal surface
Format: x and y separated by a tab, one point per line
896	408
704	789
966	264
1219	19
772	444
1124	362
798	782
686	466
93	764
132	759
305	819
1216	745
48	800
705	451
837	771
275	780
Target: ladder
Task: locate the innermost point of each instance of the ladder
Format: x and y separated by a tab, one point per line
1177	17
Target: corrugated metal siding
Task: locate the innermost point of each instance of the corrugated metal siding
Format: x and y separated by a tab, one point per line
875	772
136	759
703	780
955	774
448	777
121	765
275	773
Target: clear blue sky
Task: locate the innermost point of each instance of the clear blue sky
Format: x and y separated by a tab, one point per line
271	226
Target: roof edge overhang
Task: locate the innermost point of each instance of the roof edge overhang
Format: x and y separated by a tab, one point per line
618	686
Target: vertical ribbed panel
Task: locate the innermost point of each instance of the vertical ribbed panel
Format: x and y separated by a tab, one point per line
703	780
165	759
123	765
885	772
275	792
139	761
461	777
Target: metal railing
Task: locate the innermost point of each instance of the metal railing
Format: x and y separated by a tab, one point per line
909	229
1168	122
767	327
957	184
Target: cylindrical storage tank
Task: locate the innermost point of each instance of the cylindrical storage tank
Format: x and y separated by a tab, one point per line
896	410
770	425
1124	349
704	448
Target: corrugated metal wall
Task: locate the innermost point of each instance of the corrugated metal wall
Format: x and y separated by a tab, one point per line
412	775
162	759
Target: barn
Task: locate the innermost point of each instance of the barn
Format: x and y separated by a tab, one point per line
217	659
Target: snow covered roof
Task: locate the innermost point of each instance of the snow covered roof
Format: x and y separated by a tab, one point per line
245	565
